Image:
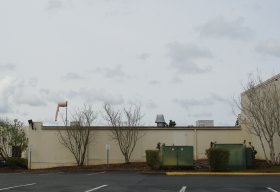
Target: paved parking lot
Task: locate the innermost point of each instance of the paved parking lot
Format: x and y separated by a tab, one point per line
132	182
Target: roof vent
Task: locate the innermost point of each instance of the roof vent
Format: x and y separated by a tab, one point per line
160	121
75	123
205	123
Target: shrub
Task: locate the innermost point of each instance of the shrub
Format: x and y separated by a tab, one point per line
218	158
16	162
152	158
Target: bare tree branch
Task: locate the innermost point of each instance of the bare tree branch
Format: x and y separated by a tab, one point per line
125	124
260	109
78	136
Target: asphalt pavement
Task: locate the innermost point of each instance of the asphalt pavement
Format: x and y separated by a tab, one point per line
133	182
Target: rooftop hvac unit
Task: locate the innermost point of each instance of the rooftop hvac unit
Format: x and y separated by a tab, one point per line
160	121
74	123
205	123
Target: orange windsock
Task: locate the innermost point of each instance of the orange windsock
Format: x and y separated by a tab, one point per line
60	104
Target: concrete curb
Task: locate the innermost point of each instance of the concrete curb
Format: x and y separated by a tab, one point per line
84	170
222	173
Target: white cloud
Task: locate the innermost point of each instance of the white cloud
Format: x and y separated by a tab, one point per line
154	82
182	52
30	98
72	76
52	96
54	4
221	99
144	56
270	47
190	67
6	90
187	103
202	115
5	83
33	81
7	67
208	101
221	28
183	57
5	106
94	95
115	73
151	104
176	80
15	91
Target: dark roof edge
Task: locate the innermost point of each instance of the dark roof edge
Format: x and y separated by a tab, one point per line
153	128
269	80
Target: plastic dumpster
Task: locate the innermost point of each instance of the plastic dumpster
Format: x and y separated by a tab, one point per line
237	155
177	156
185	155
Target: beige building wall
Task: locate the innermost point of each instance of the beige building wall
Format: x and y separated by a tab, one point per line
261	88
260	153
48	152
218	135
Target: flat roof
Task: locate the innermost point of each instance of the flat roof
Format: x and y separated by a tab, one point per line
153	128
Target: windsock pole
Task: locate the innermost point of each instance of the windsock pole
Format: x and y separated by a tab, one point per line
66	114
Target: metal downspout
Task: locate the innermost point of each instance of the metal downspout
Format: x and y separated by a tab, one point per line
195	142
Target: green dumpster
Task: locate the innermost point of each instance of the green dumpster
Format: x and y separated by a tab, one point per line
250	156
185	155
169	155
237	155
177	156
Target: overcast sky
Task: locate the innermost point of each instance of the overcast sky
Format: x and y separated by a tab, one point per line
185	59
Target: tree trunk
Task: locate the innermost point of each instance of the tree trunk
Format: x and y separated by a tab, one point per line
264	151
126	158
272	153
3	156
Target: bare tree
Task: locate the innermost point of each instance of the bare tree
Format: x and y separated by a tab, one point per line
125	127
78	136
11	135
260	109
